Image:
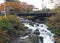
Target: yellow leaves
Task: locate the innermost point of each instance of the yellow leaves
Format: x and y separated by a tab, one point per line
3	17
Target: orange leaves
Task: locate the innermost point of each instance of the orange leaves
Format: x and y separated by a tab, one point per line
11	5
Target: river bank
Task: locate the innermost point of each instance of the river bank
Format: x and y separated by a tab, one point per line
54	27
37	30
27	32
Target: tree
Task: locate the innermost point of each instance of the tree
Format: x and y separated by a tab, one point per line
8	28
54	21
12	7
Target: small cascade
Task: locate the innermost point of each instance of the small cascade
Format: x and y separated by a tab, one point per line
44	32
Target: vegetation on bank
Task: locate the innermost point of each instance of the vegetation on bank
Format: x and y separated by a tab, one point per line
54	23
10	28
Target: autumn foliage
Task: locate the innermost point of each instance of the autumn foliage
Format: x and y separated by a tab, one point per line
54	21
9	28
11	6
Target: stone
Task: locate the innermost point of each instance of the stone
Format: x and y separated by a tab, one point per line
41	39
36	32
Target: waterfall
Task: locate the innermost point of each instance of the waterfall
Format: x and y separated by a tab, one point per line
44	32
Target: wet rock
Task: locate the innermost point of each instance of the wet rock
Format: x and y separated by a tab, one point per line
26	27
36	32
33	38
31	24
25	41
41	25
49	28
41	39
37	24
55	42
25	32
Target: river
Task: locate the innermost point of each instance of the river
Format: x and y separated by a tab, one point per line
44	32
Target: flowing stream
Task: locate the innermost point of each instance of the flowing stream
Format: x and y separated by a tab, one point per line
44	32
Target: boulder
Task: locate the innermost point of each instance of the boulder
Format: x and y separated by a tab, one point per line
36	32
41	39
33	38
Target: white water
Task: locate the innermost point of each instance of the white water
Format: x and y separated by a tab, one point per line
24	37
44	32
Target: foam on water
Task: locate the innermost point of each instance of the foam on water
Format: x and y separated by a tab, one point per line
44	32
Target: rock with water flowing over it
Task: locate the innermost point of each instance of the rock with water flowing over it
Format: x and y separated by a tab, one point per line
41	39
31	39
36	32
24	32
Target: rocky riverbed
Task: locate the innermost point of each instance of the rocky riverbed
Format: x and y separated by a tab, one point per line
27	37
35	33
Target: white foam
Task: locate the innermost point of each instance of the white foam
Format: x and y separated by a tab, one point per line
44	32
